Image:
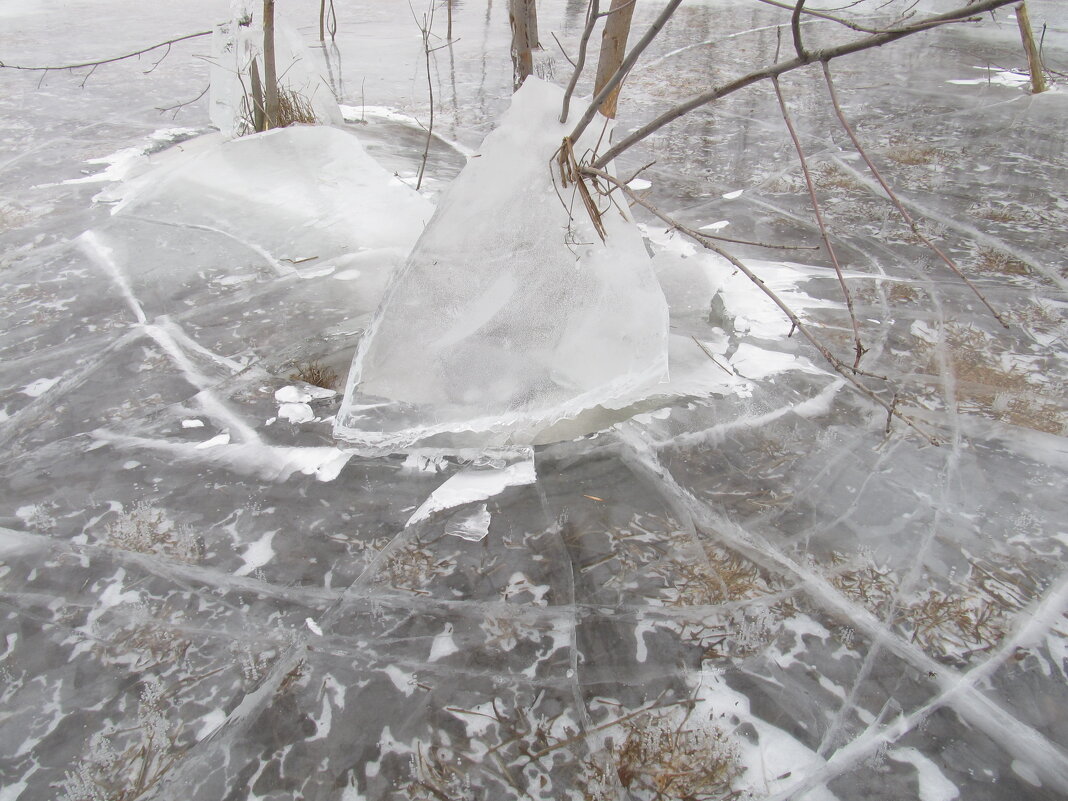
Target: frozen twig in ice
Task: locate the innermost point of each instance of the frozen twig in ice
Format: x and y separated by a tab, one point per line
970	12
842	368
858	347
897	203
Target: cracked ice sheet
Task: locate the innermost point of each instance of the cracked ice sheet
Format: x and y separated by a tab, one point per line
566	581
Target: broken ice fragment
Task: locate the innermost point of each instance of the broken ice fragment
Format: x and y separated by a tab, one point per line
472	527
510	314
475	484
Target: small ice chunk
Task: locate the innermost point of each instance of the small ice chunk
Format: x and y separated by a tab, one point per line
292	395
472	527
313	627
296	412
475	484
733	195
130	465
192	423
638	184
716	226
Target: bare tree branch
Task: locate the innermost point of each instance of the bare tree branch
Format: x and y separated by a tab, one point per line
897	203
134	54
626	66
591	21
795	28
811	56
177	107
858	347
843	369
830	17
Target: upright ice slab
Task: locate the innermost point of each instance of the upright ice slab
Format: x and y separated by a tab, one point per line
510	314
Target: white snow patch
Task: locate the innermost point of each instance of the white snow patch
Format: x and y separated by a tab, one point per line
192	423
732	195
443	644
39	387
934	786
716	226
313	627
210	723
219	439
303	394
757	363
296	412
257	554
405	682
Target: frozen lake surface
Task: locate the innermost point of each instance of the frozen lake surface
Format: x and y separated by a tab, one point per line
742	586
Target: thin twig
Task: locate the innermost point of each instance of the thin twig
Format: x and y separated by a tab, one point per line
843	369
425	28
563	52
897	203
858	347
104	60
775	70
179	106
708	353
831	18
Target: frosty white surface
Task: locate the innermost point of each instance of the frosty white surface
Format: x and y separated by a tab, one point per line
510	314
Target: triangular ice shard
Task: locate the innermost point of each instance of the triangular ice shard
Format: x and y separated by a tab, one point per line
510	314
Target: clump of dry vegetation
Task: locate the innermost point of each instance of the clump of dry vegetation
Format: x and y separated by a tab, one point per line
656	756
913	155
722	576
950	624
294	108
415	565
127	764
826	175
315	373
145	529
1000	388
993	260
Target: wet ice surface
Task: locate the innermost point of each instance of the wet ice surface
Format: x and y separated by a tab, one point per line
753	587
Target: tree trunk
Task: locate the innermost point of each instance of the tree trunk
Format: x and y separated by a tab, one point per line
613	49
523	16
270	72
259	122
1034	60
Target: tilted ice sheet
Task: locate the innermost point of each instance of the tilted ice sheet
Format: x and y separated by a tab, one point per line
509	315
